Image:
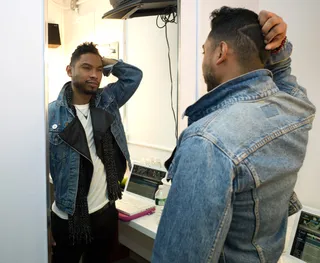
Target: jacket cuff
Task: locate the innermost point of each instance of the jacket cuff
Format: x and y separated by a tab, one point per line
294	204
107	70
283	54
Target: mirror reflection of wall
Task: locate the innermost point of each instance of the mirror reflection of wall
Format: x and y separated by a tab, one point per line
149	115
151	125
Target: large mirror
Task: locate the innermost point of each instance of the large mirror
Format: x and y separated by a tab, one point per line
150	116
138	36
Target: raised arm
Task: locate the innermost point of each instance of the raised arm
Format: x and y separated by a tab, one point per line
129	78
279	63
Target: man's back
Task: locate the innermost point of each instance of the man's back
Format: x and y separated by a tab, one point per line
237	165
264	134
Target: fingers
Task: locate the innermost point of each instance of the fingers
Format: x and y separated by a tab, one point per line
273	28
278	31
108	61
264	16
271	23
275	42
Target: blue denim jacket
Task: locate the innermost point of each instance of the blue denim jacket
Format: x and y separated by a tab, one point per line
64	160
235	169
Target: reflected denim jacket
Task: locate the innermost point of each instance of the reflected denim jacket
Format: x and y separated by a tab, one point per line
235	169
64	160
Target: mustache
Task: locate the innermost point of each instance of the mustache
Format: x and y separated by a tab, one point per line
81	88
93	82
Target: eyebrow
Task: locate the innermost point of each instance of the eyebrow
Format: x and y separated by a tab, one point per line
87	64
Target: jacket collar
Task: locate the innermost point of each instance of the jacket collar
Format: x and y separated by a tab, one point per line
62	100
74	134
253	85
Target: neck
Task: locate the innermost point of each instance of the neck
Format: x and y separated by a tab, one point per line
80	98
236	70
231	73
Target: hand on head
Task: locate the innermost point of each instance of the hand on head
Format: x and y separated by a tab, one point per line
273	28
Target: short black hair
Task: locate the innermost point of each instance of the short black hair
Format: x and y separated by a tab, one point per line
84	48
240	28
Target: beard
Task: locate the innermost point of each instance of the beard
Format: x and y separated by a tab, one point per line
83	88
210	79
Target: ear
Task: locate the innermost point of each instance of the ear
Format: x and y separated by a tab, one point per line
222	52
69	71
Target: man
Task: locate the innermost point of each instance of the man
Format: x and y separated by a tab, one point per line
236	165
88	155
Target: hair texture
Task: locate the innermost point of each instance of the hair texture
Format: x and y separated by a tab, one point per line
86	47
239	28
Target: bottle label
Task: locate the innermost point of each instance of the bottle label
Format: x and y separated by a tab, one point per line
160	201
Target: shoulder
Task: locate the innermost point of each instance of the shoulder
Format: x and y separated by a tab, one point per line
53	109
52	106
233	129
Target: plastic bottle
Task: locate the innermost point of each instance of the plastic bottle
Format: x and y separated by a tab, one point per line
160	196
160	199
165	187
162	192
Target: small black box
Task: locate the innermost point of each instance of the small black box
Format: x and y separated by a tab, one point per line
54	35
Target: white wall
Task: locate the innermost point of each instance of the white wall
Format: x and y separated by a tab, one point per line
23	227
56	73
188	56
75	28
194	29
151	127
87	25
303	31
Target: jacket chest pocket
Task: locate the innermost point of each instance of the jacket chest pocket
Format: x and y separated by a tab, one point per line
59	150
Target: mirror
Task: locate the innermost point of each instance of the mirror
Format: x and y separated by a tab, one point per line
150	116
149	43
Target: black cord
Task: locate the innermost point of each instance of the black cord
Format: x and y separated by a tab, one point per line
169	16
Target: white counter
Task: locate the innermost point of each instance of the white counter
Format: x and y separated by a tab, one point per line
139	234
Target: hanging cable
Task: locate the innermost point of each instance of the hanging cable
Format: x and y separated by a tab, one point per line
169	16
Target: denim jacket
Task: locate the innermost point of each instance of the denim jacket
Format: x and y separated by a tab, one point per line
235	169
64	160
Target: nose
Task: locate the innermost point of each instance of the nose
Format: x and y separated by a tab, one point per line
94	74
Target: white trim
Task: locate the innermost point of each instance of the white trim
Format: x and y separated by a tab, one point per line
187	79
